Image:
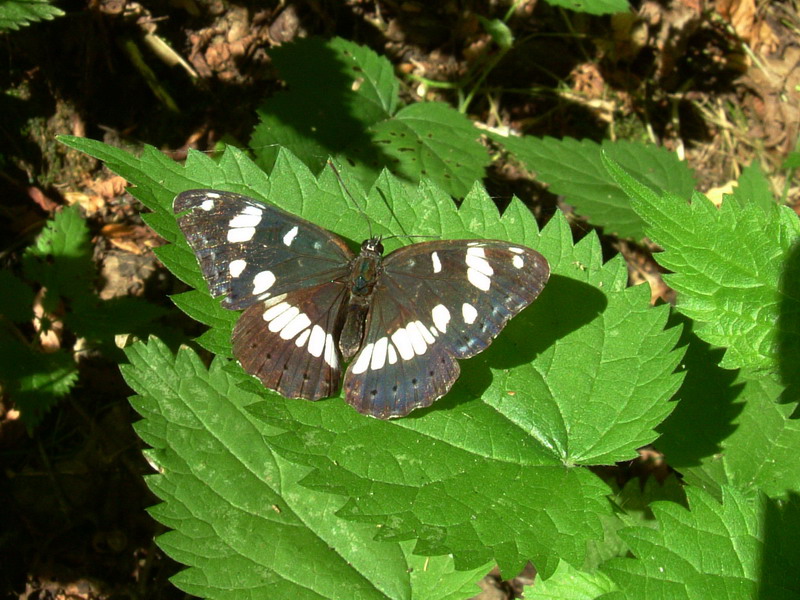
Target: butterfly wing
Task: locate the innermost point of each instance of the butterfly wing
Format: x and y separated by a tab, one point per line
250	251
289	274
437	302
289	341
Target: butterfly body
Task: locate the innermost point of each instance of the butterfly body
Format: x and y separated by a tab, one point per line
402	321
365	270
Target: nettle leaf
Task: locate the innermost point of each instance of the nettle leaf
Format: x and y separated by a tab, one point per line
417	477
736	548
61	259
16	301
634	501
753	188
735	270
569	583
593	7
574	168
345	104
500	431
34	380
731	429
19	13
239	518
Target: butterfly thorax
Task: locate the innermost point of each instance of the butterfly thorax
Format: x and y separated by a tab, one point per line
365	270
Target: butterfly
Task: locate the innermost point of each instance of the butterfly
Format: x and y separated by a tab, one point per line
311	304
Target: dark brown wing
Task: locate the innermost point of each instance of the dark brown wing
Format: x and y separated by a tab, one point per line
437	302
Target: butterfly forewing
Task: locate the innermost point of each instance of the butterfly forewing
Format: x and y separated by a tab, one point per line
435	302
289	274
250	251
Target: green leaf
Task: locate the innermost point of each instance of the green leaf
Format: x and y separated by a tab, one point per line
733	271
568	583
35	381
98	321
19	13
739	548
342	101
729	429
492	432
16	300
753	188
61	259
593	7
500	32
634	502
574	168
429	140
240	520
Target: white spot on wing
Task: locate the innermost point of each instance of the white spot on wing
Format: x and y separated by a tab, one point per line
330	352
245	220
283	319
437	264
392	355
417	341
236	267
479	271
252	210
476	259
516	250
469	313
275	310
303	338
479	280
317	342
289	237
262	281
441	317
207	204
212	194
429	339
295	326
403	344
362	362
242	234
379	354
517	261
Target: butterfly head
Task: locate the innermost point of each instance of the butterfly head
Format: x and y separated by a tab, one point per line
372	245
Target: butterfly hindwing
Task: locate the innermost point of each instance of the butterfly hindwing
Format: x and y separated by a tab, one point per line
436	302
290	341
250	251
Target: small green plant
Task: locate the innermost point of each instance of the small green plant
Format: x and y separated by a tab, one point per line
59	266
273	497
20	13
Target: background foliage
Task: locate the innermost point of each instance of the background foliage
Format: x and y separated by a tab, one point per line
273	497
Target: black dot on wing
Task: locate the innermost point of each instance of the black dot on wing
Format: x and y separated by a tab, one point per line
269	356
414	381
374	392
394	388
305	376
430	373
285	366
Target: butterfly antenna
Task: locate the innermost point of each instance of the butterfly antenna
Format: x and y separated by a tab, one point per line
347	191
